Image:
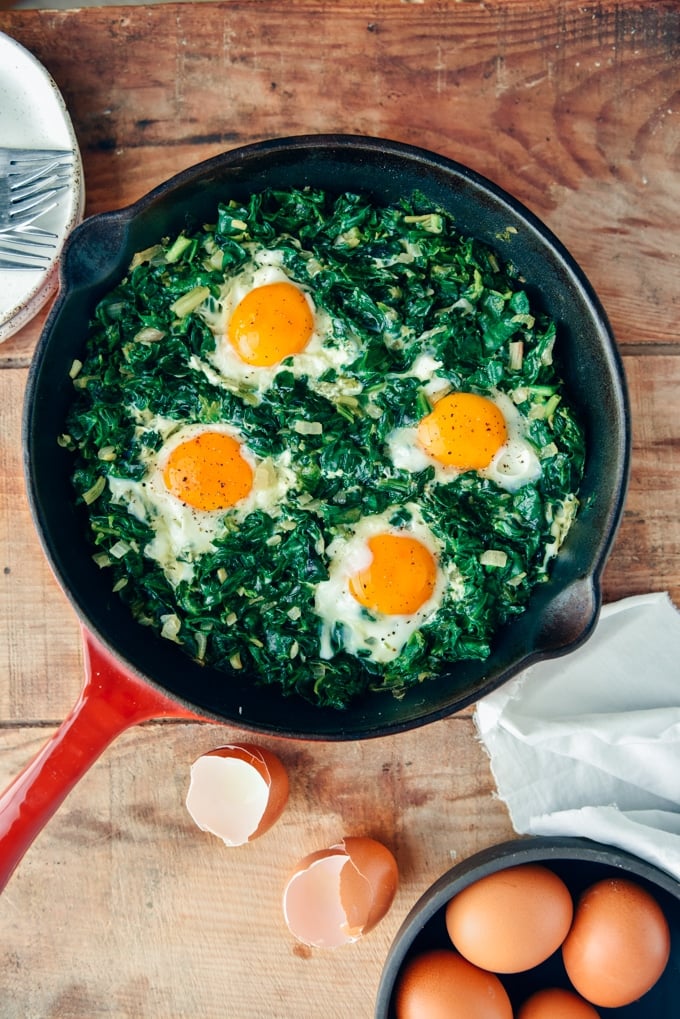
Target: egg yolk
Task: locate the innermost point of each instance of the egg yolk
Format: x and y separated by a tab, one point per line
208	472
464	430
270	323
400	577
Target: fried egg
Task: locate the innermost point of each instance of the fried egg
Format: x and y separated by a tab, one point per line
201	479
469	432
384	583
264	318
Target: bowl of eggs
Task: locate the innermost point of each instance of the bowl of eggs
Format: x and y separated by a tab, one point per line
326	437
539	928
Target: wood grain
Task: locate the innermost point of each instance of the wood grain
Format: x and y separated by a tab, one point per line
574	108
122	908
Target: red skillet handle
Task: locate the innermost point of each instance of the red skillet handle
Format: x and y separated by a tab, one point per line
110	702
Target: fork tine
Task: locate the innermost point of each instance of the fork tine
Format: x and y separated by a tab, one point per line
14	240
22	220
40	231
31	183
27	248
34	257
34	231
28	235
11	263
32	203
39	182
19	157
21	180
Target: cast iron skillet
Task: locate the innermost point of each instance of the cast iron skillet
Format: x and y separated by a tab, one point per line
560	615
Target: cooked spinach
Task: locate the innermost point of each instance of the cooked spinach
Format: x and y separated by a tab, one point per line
399	283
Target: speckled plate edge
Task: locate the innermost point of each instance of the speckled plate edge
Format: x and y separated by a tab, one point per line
40	286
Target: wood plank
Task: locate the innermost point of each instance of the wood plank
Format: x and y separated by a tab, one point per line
39	636
572	108
646	555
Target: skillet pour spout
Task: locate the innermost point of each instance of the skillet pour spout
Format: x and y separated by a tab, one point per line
570	617
560	615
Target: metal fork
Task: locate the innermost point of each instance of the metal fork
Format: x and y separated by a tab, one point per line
26	248
31	182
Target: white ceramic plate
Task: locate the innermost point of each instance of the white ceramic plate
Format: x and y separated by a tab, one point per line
33	115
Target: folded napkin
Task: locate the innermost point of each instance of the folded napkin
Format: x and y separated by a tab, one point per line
589	744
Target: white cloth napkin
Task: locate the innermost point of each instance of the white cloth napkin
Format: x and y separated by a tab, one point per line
589	744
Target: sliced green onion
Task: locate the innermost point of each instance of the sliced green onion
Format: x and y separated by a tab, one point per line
188	302
147	255
515	355
431	222
176	250
93	493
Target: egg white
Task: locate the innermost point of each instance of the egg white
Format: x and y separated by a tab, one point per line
182	533
381	637
320	353
515	464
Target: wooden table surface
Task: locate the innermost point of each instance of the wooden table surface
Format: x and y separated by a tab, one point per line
122	907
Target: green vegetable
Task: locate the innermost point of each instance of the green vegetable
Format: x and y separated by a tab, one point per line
399	284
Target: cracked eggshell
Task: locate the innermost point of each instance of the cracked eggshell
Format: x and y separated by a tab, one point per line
237	792
336	895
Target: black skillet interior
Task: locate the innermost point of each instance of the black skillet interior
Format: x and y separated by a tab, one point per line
561	614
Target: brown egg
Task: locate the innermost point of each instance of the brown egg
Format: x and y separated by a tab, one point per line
335	896
511	920
442	985
618	945
556	1003
237	792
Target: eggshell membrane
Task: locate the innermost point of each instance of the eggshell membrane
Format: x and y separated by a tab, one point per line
335	896
440	984
237	792
556	1003
619	943
511	920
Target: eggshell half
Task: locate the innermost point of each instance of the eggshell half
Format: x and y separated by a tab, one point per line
237	792
336	895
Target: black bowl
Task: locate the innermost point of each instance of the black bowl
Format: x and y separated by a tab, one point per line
580	863
560	615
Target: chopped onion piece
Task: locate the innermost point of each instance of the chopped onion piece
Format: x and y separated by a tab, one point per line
493	557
